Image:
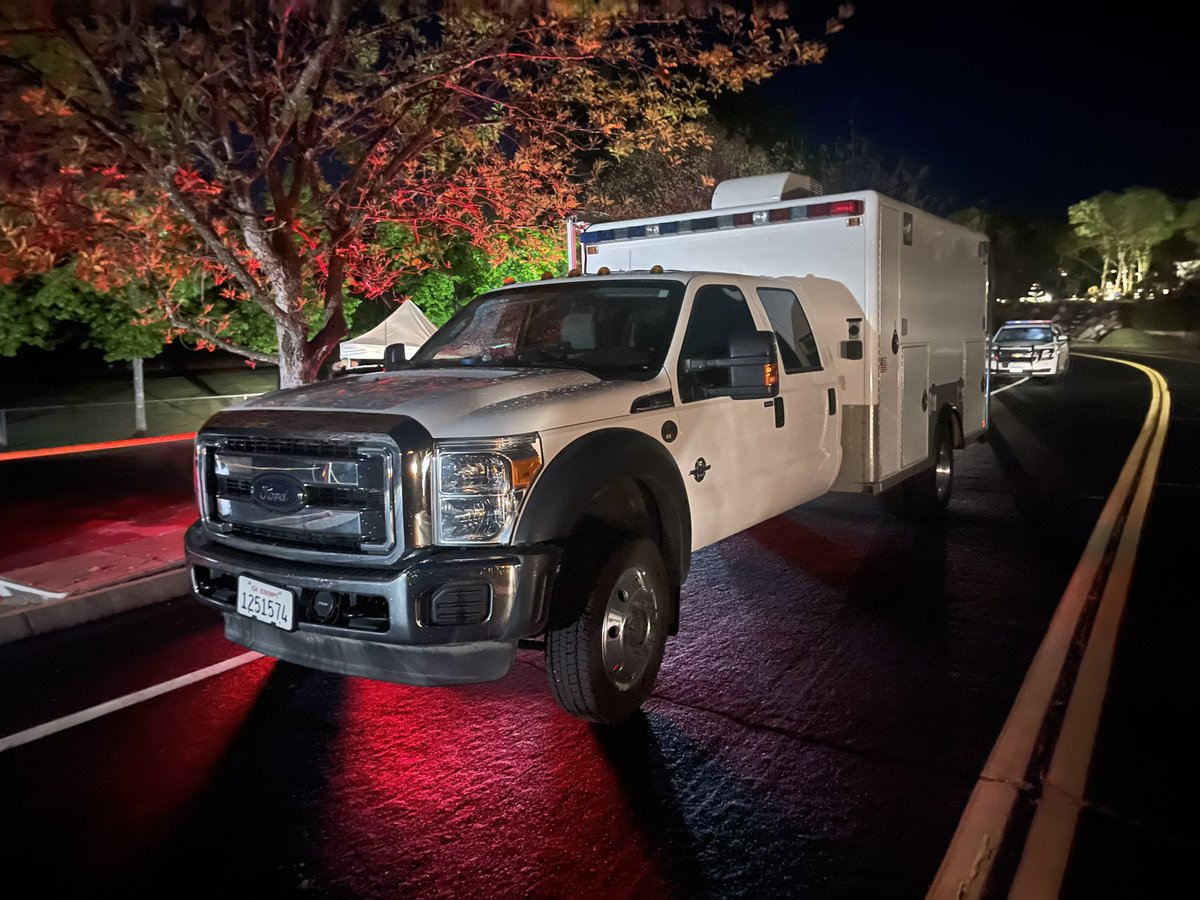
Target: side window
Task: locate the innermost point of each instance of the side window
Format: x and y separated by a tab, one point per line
797	346
717	312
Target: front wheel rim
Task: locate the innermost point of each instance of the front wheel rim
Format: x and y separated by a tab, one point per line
630	628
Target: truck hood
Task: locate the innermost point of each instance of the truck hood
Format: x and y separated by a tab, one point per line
472	402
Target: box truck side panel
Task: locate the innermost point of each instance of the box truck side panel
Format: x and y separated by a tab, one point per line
941	287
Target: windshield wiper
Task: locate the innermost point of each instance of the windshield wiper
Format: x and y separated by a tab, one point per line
542	361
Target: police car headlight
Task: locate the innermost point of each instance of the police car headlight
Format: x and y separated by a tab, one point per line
479	487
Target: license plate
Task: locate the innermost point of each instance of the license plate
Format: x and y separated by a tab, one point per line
265	602
1018	367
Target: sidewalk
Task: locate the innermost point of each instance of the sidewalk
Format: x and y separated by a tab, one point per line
85	536
93	584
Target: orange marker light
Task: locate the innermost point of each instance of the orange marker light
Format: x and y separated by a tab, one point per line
770	375
523	471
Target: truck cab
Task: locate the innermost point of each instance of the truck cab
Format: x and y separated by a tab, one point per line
544	467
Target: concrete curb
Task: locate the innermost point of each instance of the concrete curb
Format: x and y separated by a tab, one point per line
106	601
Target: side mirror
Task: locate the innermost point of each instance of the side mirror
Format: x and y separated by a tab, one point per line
394	358
1061	338
752	367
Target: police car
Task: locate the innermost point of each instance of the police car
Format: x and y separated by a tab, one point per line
1035	347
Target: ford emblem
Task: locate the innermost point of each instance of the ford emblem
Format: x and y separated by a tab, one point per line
278	493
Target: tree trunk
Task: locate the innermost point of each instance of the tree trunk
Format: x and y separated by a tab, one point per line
139	397
292	337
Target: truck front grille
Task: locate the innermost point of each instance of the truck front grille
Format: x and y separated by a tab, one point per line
1021	354
320	497
273	446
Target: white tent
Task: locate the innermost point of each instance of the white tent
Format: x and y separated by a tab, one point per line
407	326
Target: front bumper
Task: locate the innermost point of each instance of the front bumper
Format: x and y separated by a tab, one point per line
495	597
1017	369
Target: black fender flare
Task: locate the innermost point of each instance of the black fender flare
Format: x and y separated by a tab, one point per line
564	492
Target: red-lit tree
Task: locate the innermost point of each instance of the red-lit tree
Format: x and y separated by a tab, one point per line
262	149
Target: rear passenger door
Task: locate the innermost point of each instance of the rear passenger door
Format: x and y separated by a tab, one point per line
728	450
808	394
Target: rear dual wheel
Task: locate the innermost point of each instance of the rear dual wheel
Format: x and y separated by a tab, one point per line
926	494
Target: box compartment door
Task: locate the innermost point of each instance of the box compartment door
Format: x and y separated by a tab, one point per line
974	411
914	404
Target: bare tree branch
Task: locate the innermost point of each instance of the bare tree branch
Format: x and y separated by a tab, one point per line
200	331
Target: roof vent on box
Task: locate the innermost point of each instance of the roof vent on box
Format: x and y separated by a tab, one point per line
756	189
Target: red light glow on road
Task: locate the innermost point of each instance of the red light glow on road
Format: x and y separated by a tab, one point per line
420	770
72	449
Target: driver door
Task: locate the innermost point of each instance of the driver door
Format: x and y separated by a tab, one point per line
729	451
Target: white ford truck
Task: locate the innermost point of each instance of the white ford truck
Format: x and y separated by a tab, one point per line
541	471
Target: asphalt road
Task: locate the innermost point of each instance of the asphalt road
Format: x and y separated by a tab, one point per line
819	722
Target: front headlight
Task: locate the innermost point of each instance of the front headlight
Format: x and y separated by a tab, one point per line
480	485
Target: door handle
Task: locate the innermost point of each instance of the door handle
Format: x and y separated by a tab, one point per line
778	412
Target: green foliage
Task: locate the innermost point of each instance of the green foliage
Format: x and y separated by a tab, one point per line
46	310
1189	220
1122	230
460	270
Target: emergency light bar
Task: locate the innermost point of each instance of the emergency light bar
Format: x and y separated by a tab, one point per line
732	220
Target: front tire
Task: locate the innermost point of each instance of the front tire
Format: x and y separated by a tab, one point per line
603	659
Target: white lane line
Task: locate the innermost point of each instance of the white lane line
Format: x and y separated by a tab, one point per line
8	587
1009	387
37	732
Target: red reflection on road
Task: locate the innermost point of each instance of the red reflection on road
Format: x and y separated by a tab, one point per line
829	555
143	770
445	790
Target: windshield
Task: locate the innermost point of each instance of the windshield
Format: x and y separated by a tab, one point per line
1024	335
616	330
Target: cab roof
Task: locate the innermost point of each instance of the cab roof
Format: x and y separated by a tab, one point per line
643	275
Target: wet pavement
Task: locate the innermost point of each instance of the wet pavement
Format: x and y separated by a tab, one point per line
819	722
58	507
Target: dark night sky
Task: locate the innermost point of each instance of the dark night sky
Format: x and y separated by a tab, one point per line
1022	107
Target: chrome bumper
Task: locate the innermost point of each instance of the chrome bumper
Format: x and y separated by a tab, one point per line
1042	367
407	639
